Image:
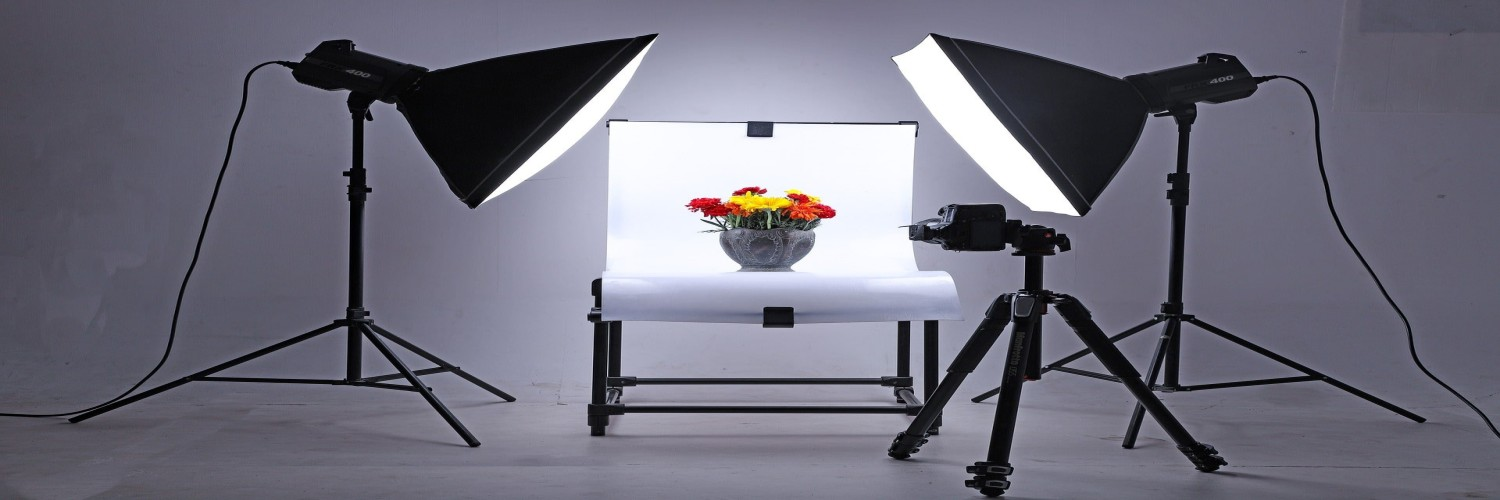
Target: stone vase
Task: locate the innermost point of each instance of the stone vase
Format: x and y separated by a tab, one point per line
762	250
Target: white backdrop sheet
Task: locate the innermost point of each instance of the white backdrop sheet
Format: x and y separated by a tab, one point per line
660	266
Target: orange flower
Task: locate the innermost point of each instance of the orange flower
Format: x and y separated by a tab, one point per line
734	208
804	211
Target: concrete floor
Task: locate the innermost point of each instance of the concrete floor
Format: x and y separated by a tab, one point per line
209	440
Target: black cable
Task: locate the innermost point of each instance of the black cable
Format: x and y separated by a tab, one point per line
1411	343
176	310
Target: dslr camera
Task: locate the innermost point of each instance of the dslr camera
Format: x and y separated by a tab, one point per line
984	228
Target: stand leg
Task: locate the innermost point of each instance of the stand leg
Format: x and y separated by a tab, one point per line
930	367
217	368
1075	356
986	395
1309	371
903	355
1204	457
421	388
439	361
615	345
991	477
1168	332
979	344
598	414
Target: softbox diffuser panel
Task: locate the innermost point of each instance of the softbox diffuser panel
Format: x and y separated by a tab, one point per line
1078	125
482	122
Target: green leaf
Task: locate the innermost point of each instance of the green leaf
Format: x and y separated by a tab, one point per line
718	225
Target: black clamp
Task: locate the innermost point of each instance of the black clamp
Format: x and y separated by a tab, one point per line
358	315
777	317
597	288
759	129
1178	193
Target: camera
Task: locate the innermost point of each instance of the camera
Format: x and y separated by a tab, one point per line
972	228
984	228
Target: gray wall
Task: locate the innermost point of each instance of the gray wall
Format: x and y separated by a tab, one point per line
113	117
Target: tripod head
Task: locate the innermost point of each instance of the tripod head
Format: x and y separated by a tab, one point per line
1038	240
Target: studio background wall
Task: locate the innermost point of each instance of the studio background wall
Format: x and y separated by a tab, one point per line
113	118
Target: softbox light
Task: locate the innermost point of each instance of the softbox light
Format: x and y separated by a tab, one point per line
491	124
1050	133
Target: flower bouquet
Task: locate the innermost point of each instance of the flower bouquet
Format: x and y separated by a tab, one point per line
764	233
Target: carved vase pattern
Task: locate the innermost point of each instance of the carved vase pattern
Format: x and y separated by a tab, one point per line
758	250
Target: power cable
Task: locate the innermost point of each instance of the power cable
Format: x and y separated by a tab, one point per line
1411	343
197	249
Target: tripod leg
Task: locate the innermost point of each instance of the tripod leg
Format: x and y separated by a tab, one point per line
439	361
1204	457
217	368
417	383
1075	356
968	358
1168	331
1309	371
991	475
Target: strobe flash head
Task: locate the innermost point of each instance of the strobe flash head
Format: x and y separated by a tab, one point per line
1215	78
335	65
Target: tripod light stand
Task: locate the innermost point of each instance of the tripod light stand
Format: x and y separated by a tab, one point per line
1053	135
487	125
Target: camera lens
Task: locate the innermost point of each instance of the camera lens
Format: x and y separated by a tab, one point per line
918	232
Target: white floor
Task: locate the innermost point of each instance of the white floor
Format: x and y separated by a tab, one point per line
209	440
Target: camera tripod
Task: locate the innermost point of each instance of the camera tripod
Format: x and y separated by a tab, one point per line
1167	358
1024	309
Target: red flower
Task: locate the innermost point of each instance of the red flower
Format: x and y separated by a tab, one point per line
799	197
705	205
716	211
825	211
751	189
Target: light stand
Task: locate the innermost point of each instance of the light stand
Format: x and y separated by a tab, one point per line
488	125
1166	360
1024	310
356	320
1054	134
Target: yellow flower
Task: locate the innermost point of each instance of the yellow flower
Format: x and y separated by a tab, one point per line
753	202
747	202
